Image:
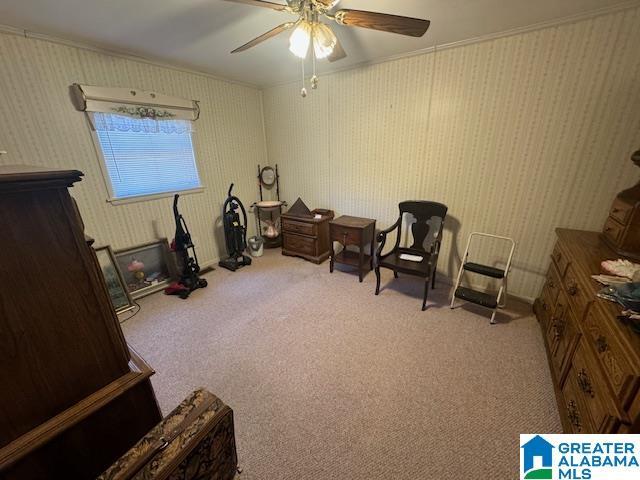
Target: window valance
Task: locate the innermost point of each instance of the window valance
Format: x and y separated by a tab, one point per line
133	103
107	122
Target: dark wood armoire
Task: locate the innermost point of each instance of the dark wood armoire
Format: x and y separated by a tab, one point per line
74	396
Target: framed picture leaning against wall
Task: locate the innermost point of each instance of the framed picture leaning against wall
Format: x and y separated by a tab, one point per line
146	268
120	298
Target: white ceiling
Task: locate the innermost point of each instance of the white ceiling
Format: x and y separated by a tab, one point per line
201	33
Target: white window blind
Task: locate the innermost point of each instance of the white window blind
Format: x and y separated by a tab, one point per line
145	156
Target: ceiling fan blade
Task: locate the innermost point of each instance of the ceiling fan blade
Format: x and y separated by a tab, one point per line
261	3
265	36
338	52
413	27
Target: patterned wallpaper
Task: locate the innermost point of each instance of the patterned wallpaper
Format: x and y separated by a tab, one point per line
38	125
517	135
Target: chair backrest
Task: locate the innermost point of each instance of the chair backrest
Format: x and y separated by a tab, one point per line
426	221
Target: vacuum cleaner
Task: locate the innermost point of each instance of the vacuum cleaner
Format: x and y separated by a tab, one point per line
235	233
187	258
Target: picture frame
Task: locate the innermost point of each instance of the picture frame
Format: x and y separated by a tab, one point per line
116	286
146	268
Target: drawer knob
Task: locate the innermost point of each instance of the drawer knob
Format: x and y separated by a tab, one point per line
574	415
608	229
551	284
615	210
558	327
573	289
601	344
584	382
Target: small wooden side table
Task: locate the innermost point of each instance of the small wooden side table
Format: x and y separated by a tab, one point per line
355	231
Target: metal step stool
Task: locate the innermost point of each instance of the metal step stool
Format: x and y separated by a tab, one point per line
484	299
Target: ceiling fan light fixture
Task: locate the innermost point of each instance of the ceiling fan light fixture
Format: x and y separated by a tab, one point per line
327	4
300	39
324	40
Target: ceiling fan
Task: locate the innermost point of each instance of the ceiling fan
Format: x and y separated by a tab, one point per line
309	30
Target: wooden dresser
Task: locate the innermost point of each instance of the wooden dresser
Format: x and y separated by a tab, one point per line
74	395
594	358
306	236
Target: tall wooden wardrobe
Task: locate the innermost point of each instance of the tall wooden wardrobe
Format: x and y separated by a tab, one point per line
74	396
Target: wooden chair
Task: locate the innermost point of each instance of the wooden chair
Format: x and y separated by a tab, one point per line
426	221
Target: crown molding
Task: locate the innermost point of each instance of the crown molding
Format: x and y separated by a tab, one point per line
627	5
114	52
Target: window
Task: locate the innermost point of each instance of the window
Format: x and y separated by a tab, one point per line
145	156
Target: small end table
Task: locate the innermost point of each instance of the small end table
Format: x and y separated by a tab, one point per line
355	231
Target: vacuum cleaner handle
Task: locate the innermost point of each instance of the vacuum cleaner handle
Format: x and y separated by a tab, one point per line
175	205
230	188
244	214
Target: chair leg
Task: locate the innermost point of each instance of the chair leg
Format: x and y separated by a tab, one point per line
395	274
426	293
493	317
377	280
433	279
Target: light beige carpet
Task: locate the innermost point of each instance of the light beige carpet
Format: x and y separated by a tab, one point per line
328	381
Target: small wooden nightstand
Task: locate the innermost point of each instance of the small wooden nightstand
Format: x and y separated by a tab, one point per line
353	231
306	236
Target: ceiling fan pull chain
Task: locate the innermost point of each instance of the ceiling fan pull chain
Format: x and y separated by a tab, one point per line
314	78
303	92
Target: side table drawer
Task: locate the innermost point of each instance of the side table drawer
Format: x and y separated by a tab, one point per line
300	244
298	227
346	236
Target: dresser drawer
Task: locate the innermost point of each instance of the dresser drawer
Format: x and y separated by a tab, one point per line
621	211
621	374
549	296
579	295
575	409
563	335
590	390
547	306
558	312
613	230
345	235
299	227
560	259
299	244
551	288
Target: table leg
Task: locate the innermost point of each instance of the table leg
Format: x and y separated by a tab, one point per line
373	241
361	260
333	256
